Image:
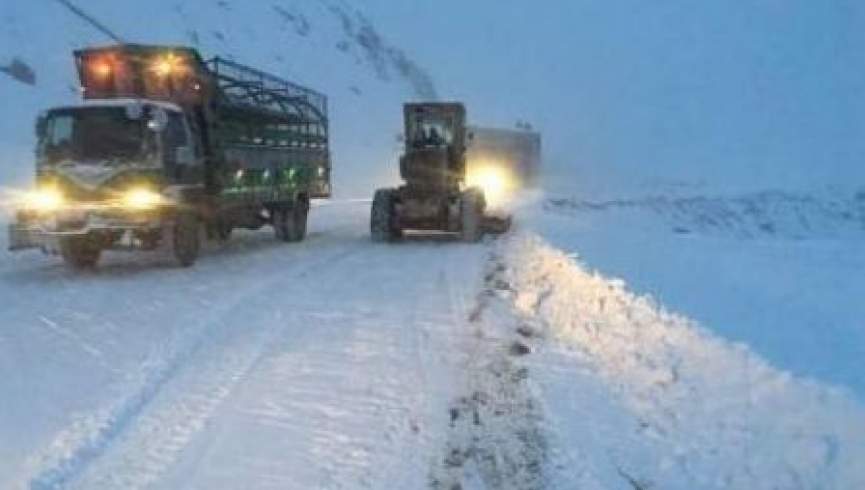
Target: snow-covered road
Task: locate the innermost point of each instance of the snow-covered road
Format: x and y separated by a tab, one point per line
334	373
339	363
322	364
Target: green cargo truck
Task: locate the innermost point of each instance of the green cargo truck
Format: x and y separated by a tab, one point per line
167	148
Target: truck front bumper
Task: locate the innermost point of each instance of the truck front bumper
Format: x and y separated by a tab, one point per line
23	237
46	232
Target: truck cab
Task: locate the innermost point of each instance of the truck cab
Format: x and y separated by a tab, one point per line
166	144
111	174
87	146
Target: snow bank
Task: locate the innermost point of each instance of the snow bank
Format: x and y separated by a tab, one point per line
791	295
713	413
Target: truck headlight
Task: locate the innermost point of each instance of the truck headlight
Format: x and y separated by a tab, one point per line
43	200
142	199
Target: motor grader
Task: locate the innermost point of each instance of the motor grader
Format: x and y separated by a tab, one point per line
434	196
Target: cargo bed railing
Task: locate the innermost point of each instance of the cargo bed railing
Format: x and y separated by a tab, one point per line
245	86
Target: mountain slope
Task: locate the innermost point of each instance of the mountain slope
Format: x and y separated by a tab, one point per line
328	45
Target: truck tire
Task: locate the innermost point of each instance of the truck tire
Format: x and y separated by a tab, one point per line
282	224
80	253
472	207
301	216
186	238
289	223
381	223
220	230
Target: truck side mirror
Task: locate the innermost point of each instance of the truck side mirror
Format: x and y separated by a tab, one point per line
184	156
158	120
471	136
156	125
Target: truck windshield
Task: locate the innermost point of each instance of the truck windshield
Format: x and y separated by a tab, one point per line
95	134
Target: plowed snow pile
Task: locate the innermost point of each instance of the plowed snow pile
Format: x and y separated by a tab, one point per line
649	398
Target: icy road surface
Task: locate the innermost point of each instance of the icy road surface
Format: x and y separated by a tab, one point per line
325	363
338	363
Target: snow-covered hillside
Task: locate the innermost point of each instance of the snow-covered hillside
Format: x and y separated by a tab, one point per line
328	45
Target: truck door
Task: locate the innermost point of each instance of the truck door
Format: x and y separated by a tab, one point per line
179	153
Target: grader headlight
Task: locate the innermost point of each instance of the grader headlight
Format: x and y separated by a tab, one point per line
495	181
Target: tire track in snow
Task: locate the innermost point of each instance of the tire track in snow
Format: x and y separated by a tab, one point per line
74	339
435	346
495	439
335	406
163	430
89	438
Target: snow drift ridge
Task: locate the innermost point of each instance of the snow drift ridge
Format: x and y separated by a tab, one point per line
707	413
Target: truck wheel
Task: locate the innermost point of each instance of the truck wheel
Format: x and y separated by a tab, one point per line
223	232
289	223
300	215
220	230
186	238
381	223
282	226
80	253
472	206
